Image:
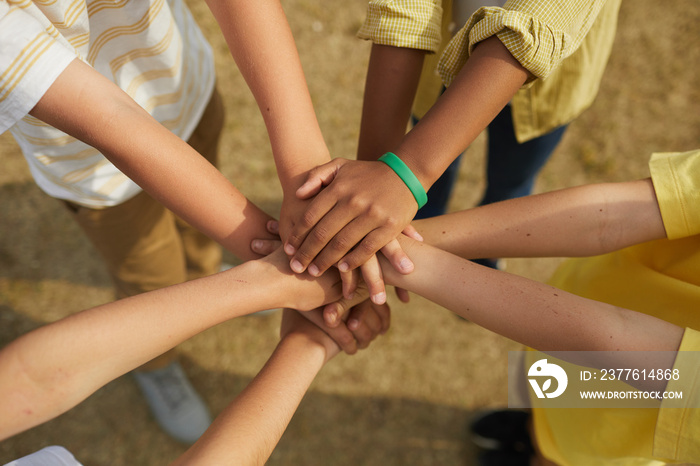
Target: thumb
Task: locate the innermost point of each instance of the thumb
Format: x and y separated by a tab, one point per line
318	178
335	313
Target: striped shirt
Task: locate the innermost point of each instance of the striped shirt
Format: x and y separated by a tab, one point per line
152	49
565	45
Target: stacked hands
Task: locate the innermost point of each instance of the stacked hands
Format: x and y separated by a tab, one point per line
344	213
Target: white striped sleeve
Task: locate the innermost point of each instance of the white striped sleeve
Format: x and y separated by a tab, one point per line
30	61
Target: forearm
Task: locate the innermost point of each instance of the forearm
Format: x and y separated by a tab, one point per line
247	431
482	88
529	312
580	221
261	42
51	369
392	79
84	104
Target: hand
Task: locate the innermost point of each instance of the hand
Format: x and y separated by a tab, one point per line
294	322
293	208
356	329
358	204
371	272
302	291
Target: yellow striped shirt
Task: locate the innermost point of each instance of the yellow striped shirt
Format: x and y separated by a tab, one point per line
152	49
564	44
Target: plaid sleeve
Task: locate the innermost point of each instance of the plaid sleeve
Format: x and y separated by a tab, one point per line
412	24
30	61
539	34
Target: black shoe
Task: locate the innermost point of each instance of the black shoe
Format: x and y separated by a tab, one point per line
504	458
505	430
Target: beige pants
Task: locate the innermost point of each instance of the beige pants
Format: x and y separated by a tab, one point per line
144	245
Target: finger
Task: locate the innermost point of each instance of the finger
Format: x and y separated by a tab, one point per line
335	313
397	257
318	177
369	245
265	246
340	334
403	295
349	279
306	231
323	237
273	227
365	314
372	275
411	232
383	312
352	235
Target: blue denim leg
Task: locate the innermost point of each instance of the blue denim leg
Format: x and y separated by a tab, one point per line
511	167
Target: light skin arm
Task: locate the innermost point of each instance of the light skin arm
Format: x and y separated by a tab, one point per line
365	203
270	65
580	221
248	429
157	160
261	43
51	369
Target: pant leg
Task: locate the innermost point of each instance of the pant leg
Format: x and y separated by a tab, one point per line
513	167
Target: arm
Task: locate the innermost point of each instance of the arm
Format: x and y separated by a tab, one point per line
581	221
248	429
392	79
157	160
261	42
365	202
538	315
51	369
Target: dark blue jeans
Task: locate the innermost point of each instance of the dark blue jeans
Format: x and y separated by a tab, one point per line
511	167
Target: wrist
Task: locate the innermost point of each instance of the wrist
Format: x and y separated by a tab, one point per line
412	182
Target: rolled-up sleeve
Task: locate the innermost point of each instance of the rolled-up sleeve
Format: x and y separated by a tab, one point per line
677	185
412	24
30	61
539	34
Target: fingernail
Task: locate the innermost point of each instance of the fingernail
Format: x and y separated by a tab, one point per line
353	324
289	249
419	237
379	298
313	270
332	316
257	244
296	266
405	264
273	226
343	267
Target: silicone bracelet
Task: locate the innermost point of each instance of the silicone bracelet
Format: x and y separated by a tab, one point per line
406	176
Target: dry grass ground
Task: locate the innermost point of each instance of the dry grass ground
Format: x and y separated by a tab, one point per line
406	400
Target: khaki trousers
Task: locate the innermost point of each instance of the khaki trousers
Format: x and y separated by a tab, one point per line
145	246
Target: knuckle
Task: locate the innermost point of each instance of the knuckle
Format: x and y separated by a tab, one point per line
368	246
307	220
320	234
340	244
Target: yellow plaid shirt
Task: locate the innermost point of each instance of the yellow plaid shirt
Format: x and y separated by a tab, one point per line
564	44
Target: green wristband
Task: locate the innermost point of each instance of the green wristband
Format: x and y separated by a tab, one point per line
406	176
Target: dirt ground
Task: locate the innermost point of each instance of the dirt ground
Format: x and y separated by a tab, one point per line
408	399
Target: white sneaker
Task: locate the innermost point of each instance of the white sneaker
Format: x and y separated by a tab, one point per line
175	404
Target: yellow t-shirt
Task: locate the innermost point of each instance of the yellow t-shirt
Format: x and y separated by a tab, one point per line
660	278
